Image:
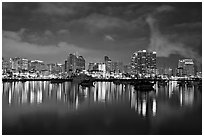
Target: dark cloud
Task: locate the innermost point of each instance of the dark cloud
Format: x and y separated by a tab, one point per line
165	46
103	28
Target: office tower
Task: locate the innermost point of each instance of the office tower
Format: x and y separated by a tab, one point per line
51	67
108	64
186	67
58	68
117	67
5	65
143	62
91	66
15	64
75	63
102	67
161	71
127	69
180	68
168	72
37	65
65	66
24	64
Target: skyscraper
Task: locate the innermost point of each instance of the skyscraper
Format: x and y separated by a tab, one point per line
75	63
91	66
186	67
5	65
24	64
15	63
117	67
65	66
127	69
37	65
108	63
143	62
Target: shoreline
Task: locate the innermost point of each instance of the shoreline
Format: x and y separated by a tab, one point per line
96	80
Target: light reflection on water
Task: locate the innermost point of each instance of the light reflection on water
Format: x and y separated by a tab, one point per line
144	104
37	92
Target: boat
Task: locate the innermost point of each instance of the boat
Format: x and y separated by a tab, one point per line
53	81
181	83
86	84
144	86
162	83
82	78
190	84
117	82
23	80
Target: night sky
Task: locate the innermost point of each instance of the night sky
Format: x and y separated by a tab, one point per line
50	31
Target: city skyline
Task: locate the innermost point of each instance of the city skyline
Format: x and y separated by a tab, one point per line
143	63
50	31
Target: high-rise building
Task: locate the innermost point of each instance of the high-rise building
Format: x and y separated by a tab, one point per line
5	65
168	72
24	64
75	63
186	67
127	69
91	66
51	67
37	65
65	66
15	63
19	64
117	67
102	67
108	64
143	62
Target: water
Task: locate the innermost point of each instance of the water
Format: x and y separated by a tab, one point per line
39	107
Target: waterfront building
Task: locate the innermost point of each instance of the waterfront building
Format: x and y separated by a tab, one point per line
108	64
5	65
51	67
199	74
180	68
18	64
186	67
91	66
37	65
117	67
143	62
127	69
168	72
15	64
65	66
161	71
102	67
24	64
75	63
175	72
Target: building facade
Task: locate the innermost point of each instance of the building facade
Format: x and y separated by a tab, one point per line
186	67
143	62
108	64
75	63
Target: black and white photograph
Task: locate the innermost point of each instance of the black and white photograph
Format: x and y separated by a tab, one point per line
101	68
